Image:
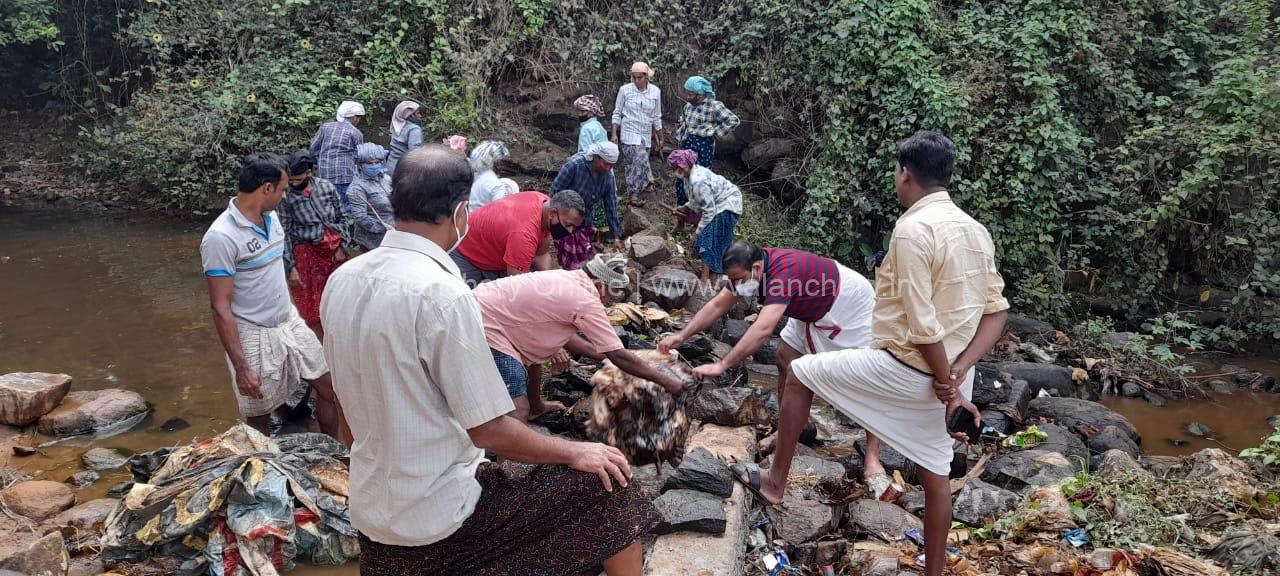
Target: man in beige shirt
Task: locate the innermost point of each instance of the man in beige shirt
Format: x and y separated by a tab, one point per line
938	310
407	348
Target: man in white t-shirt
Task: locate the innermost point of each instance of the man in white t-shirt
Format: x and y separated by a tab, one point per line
419	386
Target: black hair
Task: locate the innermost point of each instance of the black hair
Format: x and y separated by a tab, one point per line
741	254
260	168
929	156
569	199
428	184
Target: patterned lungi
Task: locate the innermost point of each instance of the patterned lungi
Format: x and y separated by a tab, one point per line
543	519
314	263
576	248
715	239
283	356
635	159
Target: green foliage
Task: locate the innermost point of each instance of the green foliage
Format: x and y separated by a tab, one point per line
28	22
1268	453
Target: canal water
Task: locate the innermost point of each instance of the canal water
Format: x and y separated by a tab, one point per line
120	302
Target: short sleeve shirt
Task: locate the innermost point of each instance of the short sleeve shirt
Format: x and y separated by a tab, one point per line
505	233
532	316
405	343
253	257
806	283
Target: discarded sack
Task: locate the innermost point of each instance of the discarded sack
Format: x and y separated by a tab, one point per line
639	417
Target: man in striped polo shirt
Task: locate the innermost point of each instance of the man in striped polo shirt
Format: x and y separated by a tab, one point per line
270	350
828	307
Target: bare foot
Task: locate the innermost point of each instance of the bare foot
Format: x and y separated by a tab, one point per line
872	468
762	486
767	444
544	407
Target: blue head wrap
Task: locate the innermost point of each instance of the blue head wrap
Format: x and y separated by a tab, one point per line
370	151
700	85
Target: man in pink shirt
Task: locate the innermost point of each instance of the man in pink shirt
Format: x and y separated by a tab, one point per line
532	318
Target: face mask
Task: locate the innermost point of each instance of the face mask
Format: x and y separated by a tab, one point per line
461	233
559	232
371	170
303	184
747	288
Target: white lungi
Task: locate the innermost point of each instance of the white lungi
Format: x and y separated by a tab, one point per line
846	325
891	400
283	356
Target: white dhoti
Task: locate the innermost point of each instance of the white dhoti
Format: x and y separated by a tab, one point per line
846	325
283	356
891	400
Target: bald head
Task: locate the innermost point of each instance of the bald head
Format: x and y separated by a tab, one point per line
428	184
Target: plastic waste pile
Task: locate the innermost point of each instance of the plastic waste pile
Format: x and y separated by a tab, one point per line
236	505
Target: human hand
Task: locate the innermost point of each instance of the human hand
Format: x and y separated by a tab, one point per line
959	403
606	462
248	383
959	371
707	371
617	245
666	345
944	390
614	139
560	362
295	281
674	386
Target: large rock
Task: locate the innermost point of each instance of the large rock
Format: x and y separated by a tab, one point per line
998	420
82	480
803	518
99	412
768	352
690	510
1113	438
82	525
1072	412
1199	430
651	478
1119	463
26	396
46	557
876	517
989	387
38	499
696	347
812	466
649	251
1064	442
1056	379
99	459
634	222
1029	329
734	330
740	406
979	501
1020	397
702	471
763	154
1017	470
668	287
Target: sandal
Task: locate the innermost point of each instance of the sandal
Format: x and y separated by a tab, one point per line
752	483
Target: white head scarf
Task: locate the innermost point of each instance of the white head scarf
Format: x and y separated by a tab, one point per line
401	116
606	150
348	109
612	271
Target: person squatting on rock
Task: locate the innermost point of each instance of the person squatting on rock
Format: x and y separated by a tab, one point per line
513	235
539	317
590	175
316	235
270	351
637	116
715	201
828	307
334	147
370	196
703	119
425	400
939	308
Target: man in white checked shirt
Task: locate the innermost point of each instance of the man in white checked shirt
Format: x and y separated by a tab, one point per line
424	400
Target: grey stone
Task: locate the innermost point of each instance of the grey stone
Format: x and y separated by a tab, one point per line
697	347
174	425
1119	462
1154	399
702	471
1017	470
764	370
997	420
1020	397
734	330
98	412
46	557
668	287
817	467
38	499
1274	421
1112	438
1064	442
651	478
634	222
83	479
1056	379
978	501
1199	430
729	407
764	153
1072	412
690	510
99	459
1030	329
1222	387
86	518
803	519
1130	389
649	251
876	517
913	502
26	396
768	352
989	387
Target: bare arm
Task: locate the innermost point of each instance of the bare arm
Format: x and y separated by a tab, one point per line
628	362
580	346
759	333
220	290
512	440
717	307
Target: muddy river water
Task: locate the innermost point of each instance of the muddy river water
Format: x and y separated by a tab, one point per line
120	302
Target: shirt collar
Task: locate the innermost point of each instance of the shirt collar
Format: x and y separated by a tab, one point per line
929	200
416	243
244	222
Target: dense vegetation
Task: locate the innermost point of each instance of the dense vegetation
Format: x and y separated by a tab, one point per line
1127	149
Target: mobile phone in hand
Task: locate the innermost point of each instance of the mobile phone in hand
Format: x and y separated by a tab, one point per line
964	422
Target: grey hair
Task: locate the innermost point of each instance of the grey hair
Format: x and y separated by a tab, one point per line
569	199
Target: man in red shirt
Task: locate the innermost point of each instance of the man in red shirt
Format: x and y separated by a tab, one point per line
513	235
